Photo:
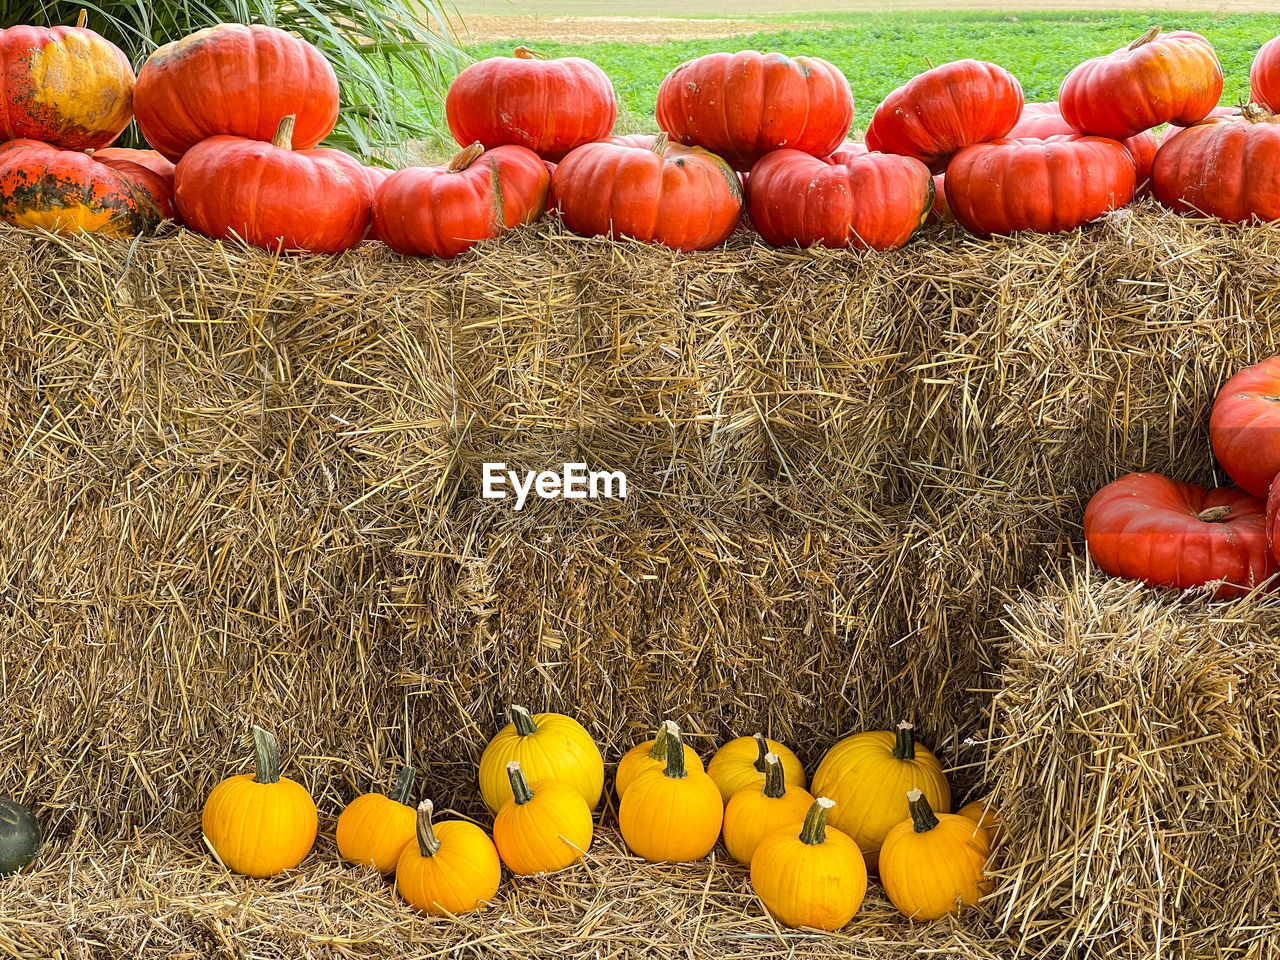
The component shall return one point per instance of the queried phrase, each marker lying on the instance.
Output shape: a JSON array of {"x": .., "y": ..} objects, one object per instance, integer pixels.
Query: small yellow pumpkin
[
  {"x": 549, "y": 746},
  {"x": 260, "y": 823},
  {"x": 754, "y": 812},
  {"x": 375, "y": 828},
  {"x": 985, "y": 816},
  {"x": 542, "y": 828},
  {"x": 673, "y": 814},
  {"x": 452, "y": 868},
  {"x": 815, "y": 877},
  {"x": 931, "y": 864},
  {"x": 740, "y": 763},
  {"x": 650, "y": 755},
  {"x": 868, "y": 776}
]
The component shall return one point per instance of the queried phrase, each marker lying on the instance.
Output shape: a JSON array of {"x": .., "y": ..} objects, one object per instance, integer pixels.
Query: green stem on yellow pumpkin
[
  {"x": 1144, "y": 39},
  {"x": 762, "y": 751},
  {"x": 519, "y": 785},
  {"x": 923, "y": 818},
  {"x": 660, "y": 746},
  {"x": 775, "y": 778},
  {"x": 523, "y": 721},
  {"x": 675, "y": 752},
  {"x": 814, "y": 831},
  {"x": 428, "y": 845},
  {"x": 284, "y": 133},
  {"x": 403, "y": 788},
  {"x": 267, "y": 769},
  {"x": 465, "y": 158},
  {"x": 905, "y": 748}
]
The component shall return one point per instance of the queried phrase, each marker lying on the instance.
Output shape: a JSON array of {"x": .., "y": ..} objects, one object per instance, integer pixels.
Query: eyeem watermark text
[{"x": 573, "y": 482}]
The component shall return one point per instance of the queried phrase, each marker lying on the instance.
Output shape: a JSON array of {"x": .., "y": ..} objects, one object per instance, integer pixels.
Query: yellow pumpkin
[
  {"x": 815, "y": 877},
  {"x": 868, "y": 776},
  {"x": 986, "y": 817},
  {"x": 452, "y": 868},
  {"x": 931, "y": 864},
  {"x": 740, "y": 763},
  {"x": 542, "y": 828},
  {"x": 374, "y": 828},
  {"x": 549, "y": 746},
  {"x": 754, "y": 812},
  {"x": 260, "y": 823},
  {"x": 673, "y": 814},
  {"x": 650, "y": 755}
]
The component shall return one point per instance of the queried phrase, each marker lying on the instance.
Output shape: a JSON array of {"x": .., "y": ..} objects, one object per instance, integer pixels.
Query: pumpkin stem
[
  {"x": 928, "y": 63},
  {"x": 675, "y": 752},
  {"x": 267, "y": 769},
  {"x": 403, "y": 788},
  {"x": 519, "y": 785},
  {"x": 1144, "y": 39},
  {"x": 82, "y": 18},
  {"x": 1257, "y": 113},
  {"x": 922, "y": 815},
  {"x": 660, "y": 745},
  {"x": 775, "y": 778},
  {"x": 1214, "y": 514},
  {"x": 523, "y": 720},
  {"x": 428, "y": 844},
  {"x": 525, "y": 53},
  {"x": 284, "y": 132},
  {"x": 463, "y": 159},
  {"x": 905, "y": 748},
  {"x": 762, "y": 752},
  {"x": 814, "y": 831},
  {"x": 660, "y": 143}
]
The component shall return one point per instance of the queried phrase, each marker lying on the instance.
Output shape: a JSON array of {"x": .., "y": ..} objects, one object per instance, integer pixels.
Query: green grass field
[{"x": 878, "y": 52}]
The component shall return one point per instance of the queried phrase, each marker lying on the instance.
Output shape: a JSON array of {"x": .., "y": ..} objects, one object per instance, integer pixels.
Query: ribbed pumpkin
[
  {"x": 673, "y": 814},
  {"x": 985, "y": 816},
  {"x": 931, "y": 864},
  {"x": 1158, "y": 78},
  {"x": 234, "y": 80},
  {"x": 944, "y": 109},
  {"x": 377, "y": 177},
  {"x": 544, "y": 827},
  {"x": 1224, "y": 168},
  {"x": 273, "y": 196},
  {"x": 1040, "y": 121},
  {"x": 1273, "y": 518},
  {"x": 153, "y": 160},
  {"x": 549, "y": 746},
  {"x": 444, "y": 211},
  {"x": 65, "y": 86},
  {"x": 650, "y": 755},
  {"x": 868, "y": 775},
  {"x": 546, "y": 105},
  {"x": 1165, "y": 533},
  {"x": 743, "y": 105},
  {"x": 260, "y": 823},
  {"x": 1264, "y": 76},
  {"x": 1047, "y": 185},
  {"x": 868, "y": 201},
  {"x": 815, "y": 877},
  {"x": 753, "y": 812},
  {"x": 1244, "y": 426},
  {"x": 682, "y": 197},
  {"x": 20, "y": 836},
  {"x": 374, "y": 828},
  {"x": 741, "y": 763},
  {"x": 452, "y": 867},
  {"x": 69, "y": 190},
  {"x": 940, "y": 212}
]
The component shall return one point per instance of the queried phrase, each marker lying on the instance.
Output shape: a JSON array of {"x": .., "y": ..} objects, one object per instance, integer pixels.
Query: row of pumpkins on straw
[
  {"x": 234, "y": 114},
  {"x": 878, "y": 801}
]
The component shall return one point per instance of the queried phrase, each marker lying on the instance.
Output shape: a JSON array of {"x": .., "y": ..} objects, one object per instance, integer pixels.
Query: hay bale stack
[{"x": 1138, "y": 765}]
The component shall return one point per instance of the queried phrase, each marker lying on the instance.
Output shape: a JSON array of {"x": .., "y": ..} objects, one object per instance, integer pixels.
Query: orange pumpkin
[
  {"x": 374, "y": 828},
  {"x": 452, "y": 868}
]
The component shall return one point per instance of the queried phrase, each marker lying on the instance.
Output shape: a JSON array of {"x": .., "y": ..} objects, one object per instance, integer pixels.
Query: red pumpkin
[
  {"x": 547, "y": 106},
  {"x": 153, "y": 160},
  {"x": 70, "y": 190},
  {"x": 237, "y": 81},
  {"x": 1227, "y": 168},
  {"x": 1169, "y": 534},
  {"x": 1045, "y": 185},
  {"x": 1215, "y": 113},
  {"x": 66, "y": 86},
  {"x": 682, "y": 197},
  {"x": 854, "y": 199},
  {"x": 940, "y": 212},
  {"x": 1158, "y": 78},
  {"x": 1042, "y": 120},
  {"x": 1273, "y": 518},
  {"x": 377, "y": 177},
  {"x": 945, "y": 109},
  {"x": 273, "y": 196},
  {"x": 442, "y": 211},
  {"x": 1264, "y": 76},
  {"x": 1244, "y": 427},
  {"x": 741, "y": 106}
]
